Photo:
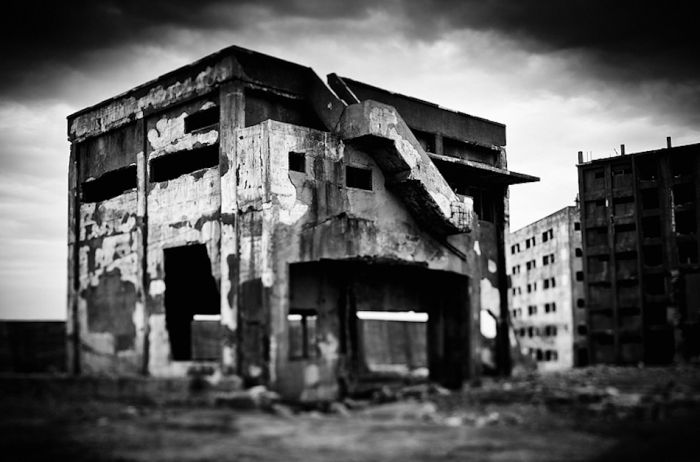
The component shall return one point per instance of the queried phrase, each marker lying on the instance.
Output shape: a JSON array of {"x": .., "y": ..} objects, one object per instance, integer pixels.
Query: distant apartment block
[
  {"x": 546, "y": 294},
  {"x": 640, "y": 221}
]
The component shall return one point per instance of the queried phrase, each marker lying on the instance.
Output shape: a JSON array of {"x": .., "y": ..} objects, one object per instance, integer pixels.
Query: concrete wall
[
  {"x": 304, "y": 217},
  {"x": 256, "y": 219},
  {"x": 562, "y": 246}
]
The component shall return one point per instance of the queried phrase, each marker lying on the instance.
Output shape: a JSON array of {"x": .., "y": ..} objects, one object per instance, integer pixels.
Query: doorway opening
[
  {"x": 192, "y": 304},
  {"x": 394, "y": 322}
]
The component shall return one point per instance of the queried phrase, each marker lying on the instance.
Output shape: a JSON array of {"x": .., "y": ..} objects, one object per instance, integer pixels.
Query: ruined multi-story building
[
  {"x": 546, "y": 295},
  {"x": 642, "y": 276},
  {"x": 240, "y": 214}
]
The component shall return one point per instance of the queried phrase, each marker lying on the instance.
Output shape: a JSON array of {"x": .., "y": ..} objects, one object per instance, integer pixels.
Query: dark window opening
[
  {"x": 653, "y": 255},
  {"x": 582, "y": 357},
  {"x": 201, "y": 119},
  {"x": 685, "y": 222},
  {"x": 682, "y": 165},
  {"x": 597, "y": 236},
  {"x": 360, "y": 178},
  {"x": 683, "y": 193},
  {"x": 577, "y": 226},
  {"x": 654, "y": 284},
  {"x": 655, "y": 314},
  {"x": 646, "y": 170},
  {"x": 484, "y": 205},
  {"x": 625, "y": 228},
  {"x": 651, "y": 227},
  {"x": 650, "y": 199},
  {"x": 109, "y": 185},
  {"x": 578, "y": 252},
  {"x": 297, "y": 162},
  {"x": 623, "y": 206},
  {"x": 582, "y": 329},
  {"x": 302, "y": 333},
  {"x": 581, "y": 303},
  {"x": 190, "y": 290},
  {"x": 687, "y": 252},
  {"x": 579, "y": 275},
  {"x": 170, "y": 166},
  {"x": 426, "y": 140},
  {"x": 261, "y": 105}
]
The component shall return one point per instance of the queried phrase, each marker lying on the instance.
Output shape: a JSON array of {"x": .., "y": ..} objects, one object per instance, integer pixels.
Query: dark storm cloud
[
  {"x": 642, "y": 39},
  {"x": 39, "y": 39},
  {"x": 622, "y": 42}
]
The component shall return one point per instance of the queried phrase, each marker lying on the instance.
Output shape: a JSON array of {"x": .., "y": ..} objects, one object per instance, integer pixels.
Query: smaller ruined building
[
  {"x": 241, "y": 216},
  {"x": 546, "y": 292},
  {"x": 640, "y": 220}
]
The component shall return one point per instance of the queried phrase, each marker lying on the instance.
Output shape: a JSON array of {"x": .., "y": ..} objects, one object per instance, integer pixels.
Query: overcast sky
[{"x": 563, "y": 76}]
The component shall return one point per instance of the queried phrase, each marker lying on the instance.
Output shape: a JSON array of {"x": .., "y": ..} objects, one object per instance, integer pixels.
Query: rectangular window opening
[
  {"x": 646, "y": 170},
  {"x": 297, "y": 162},
  {"x": 651, "y": 227},
  {"x": 684, "y": 193},
  {"x": 653, "y": 255},
  {"x": 650, "y": 199},
  {"x": 302, "y": 333},
  {"x": 170, "y": 166},
  {"x": 360, "y": 178},
  {"x": 687, "y": 252},
  {"x": 685, "y": 222},
  {"x": 202, "y": 119},
  {"x": 109, "y": 185}
]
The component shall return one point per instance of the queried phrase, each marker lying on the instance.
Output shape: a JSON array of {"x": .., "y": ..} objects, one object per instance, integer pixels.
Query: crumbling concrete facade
[
  {"x": 547, "y": 305},
  {"x": 640, "y": 215},
  {"x": 237, "y": 214}
]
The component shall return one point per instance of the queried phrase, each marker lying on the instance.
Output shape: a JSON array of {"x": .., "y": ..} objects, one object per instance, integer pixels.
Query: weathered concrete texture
[
  {"x": 181, "y": 211},
  {"x": 407, "y": 168},
  {"x": 255, "y": 169},
  {"x": 556, "y": 321},
  {"x": 640, "y": 220},
  {"x": 109, "y": 311},
  {"x": 291, "y": 217}
]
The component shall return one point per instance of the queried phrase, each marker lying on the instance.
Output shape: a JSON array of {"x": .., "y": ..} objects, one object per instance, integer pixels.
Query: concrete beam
[{"x": 380, "y": 130}]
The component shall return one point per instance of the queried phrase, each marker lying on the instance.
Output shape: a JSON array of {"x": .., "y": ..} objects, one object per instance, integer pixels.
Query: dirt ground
[{"x": 600, "y": 414}]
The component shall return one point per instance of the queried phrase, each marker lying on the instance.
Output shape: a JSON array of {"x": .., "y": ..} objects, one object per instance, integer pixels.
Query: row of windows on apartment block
[
  {"x": 532, "y": 241},
  {"x": 537, "y": 331},
  {"x": 543, "y": 355},
  {"x": 532, "y": 264},
  {"x": 548, "y": 283},
  {"x": 532, "y": 310}
]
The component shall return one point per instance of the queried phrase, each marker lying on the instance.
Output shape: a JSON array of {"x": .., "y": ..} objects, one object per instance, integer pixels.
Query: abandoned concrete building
[
  {"x": 544, "y": 260},
  {"x": 640, "y": 241},
  {"x": 240, "y": 215}
]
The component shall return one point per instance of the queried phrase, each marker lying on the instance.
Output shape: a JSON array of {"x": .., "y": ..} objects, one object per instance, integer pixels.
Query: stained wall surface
[
  {"x": 267, "y": 181},
  {"x": 545, "y": 295}
]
